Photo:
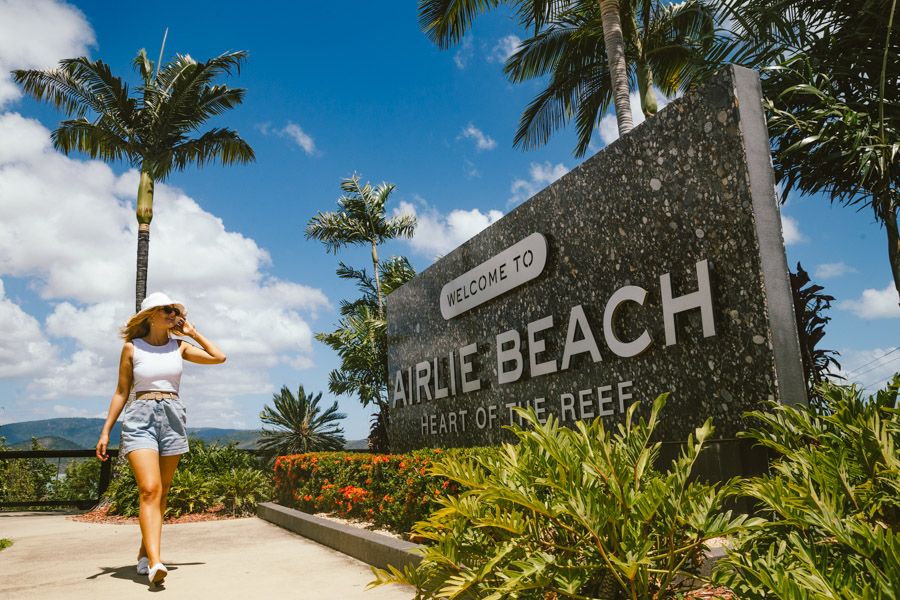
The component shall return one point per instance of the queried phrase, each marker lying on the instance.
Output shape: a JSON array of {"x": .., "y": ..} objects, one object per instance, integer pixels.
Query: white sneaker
[
  {"x": 143, "y": 566},
  {"x": 157, "y": 573}
]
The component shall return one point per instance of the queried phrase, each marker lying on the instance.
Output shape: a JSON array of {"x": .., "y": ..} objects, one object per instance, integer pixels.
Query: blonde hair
[{"x": 138, "y": 326}]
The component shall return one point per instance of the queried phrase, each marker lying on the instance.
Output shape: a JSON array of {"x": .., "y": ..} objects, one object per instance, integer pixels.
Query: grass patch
[{"x": 5, "y": 543}]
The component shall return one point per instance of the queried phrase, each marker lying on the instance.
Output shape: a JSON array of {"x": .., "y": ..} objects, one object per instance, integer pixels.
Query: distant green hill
[
  {"x": 50, "y": 442},
  {"x": 73, "y": 433}
]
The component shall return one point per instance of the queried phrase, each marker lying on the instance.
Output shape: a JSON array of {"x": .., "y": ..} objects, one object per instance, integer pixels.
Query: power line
[
  {"x": 875, "y": 367},
  {"x": 857, "y": 368},
  {"x": 877, "y": 379}
]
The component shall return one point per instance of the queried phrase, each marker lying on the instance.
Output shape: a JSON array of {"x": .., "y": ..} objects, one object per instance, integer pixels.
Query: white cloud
[
  {"x": 791, "y": 231},
  {"x": 870, "y": 368},
  {"x": 300, "y": 137},
  {"x": 68, "y": 227},
  {"x": 482, "y": 141},
  {"x": 24, "y": 350},
  {"x": 830, "y": 270},
  {"x": 609, "y": 127},
  {"x": 505, "y": 47},
  {"x": 464, "y": 54},
  {"x": 37, "y": 34},
  {"x": 874, "y": 304},
  {"x": 293, "y": 132},
  {"x": 540, "y": 176},
  {"x": 438, "y": 234}
]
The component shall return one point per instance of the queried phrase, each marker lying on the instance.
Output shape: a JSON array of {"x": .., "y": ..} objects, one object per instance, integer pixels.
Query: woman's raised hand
[{"x": 187, "y": 328}]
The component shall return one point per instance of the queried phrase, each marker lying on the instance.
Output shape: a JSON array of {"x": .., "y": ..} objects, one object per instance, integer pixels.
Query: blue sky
[{"x": 332, "y": 90}]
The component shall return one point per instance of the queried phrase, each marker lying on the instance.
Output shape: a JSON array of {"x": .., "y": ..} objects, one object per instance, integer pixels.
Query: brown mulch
[
  {"x": 101, "y": 515},
  {"x": 711, "y": 593}
]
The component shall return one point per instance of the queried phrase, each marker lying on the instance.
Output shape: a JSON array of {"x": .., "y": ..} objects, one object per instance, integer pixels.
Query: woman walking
[{"x": 154, "y": 422}]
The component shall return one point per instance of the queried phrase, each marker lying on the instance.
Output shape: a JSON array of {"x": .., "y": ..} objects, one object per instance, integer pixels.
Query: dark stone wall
[{"x": 677, "y": 190}]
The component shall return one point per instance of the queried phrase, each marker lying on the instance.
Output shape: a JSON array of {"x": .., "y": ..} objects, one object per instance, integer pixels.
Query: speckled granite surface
[{"x": 677, "y": 190}]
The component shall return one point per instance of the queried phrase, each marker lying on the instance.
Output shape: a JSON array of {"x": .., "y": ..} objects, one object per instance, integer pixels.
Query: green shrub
[
  {"x": 569, "y": 513},
  {"x": 831, "y": 502},
  {"x": 26, "y": 479},
  {"x": 5, "y": 543},
  {"x": 191, "y": 492},
  {"x": 243, "y": 488},
  {"x": 81, "y": 481},
  {"x": 207, "y": 476},
  {"x": 389, "y": 490}
]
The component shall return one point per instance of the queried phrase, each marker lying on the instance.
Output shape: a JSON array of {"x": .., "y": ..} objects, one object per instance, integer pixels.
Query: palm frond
[
  {"x": 446, "y": 21},
  {"x": 216, "y": 145},
  {"x": 80, "y": 135}
]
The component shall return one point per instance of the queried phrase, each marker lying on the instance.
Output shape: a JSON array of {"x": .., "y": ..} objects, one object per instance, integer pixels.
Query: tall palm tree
[
  {"x": 155, "y": 130},
  {"x": 591, "y": 49},
  {"x": 361, "y": 220},
  {"x": 300, "y": 425}
]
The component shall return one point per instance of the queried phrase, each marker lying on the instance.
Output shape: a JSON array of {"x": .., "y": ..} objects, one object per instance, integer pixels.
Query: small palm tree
[
  {"x": 361, "y": 220},
  {"x": 360, "y": 341},
  {"x": 300, "y": 425},
  {"x": 154, "y": 131}
]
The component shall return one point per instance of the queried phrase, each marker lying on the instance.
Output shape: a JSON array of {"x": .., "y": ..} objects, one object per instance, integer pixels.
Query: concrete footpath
[{"x": 53, "y": 557}]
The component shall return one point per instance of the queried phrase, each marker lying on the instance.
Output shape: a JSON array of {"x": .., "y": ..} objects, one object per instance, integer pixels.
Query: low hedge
[{"x": 389, "y": 490}]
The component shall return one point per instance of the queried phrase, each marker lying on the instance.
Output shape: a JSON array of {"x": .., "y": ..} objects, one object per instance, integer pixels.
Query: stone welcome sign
[{"x": 657, "y": 265}]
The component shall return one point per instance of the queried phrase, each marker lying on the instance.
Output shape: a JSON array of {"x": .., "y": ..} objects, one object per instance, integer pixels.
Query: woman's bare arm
[
  {"x": 209, "y": 355},
  {"x": 123, "y": 388}
]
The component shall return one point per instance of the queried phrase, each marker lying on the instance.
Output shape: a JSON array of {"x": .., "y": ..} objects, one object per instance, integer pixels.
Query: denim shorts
[{"x": 159, "y": 425}]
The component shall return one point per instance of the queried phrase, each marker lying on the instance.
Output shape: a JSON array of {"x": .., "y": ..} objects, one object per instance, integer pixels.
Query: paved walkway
[{"x": 53, "y": 557}]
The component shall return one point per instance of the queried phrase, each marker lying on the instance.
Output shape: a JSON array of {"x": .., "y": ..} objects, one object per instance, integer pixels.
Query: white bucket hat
[{"x": 157, "y": 299}]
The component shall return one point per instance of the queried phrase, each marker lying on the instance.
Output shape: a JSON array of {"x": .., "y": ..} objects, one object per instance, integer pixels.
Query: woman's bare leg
[
  {"x": 167, "y": 466},
  {"x": 146, "y": 467}
]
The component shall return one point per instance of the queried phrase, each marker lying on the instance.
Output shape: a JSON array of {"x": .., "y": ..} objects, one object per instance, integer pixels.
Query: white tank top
[{"x": 157, "y": 368}]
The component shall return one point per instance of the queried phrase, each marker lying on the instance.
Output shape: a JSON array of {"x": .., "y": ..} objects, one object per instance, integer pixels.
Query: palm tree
[
  {"x": 831, "y": 100},
  {"x": 360, "y": 341},
  {"x": 154, "y": 130},
  {"x": 361, "y": 220},
  {"x": 300, "y": 426},
  {"x": 591, "y": 49}
]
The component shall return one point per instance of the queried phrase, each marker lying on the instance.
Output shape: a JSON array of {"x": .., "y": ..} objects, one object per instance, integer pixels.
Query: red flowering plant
[{"x": 388, "y": 490}]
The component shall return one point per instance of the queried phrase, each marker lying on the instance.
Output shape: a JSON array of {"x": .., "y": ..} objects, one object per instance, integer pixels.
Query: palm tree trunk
[
  {"x": 144, "y": 216},
  {"x": 893, "y": 236},
  {"x": 377, "y": 280},
  {"x": 615, "y": 57},
  {"x": 644, "y": 72}
]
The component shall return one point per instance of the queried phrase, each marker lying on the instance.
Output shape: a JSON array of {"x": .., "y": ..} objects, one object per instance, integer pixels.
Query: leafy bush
[
  {"x": 26, "y": 479},
  {"x": 243, "y": 488},
  {"x": 389, "y": 490},
  {"x": 81, "y": 481},
  {"x": 207, "y": 476},
  {"x": 569, "y": 513},
  {"x": 831, "y": 502}
]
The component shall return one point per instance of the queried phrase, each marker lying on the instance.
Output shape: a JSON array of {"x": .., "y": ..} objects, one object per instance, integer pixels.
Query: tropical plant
[
  {"x": 831, "y": 502},
  {"x": 300, "y": 425},
  {"x": 242, "y": 489},
  {"x": 591, "y": 49},
  {"x": 569, "y": 513},
  {"x": 191, "y": 492},
  {"x": 831, "y": 99},
  {"x": 361, "y": 221},
  {"x": 360, "y": 341},
  {"x": 810, "y": 305},
  {"x": 209, "y": 476},
  {"x": 154, "y": 130}
]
